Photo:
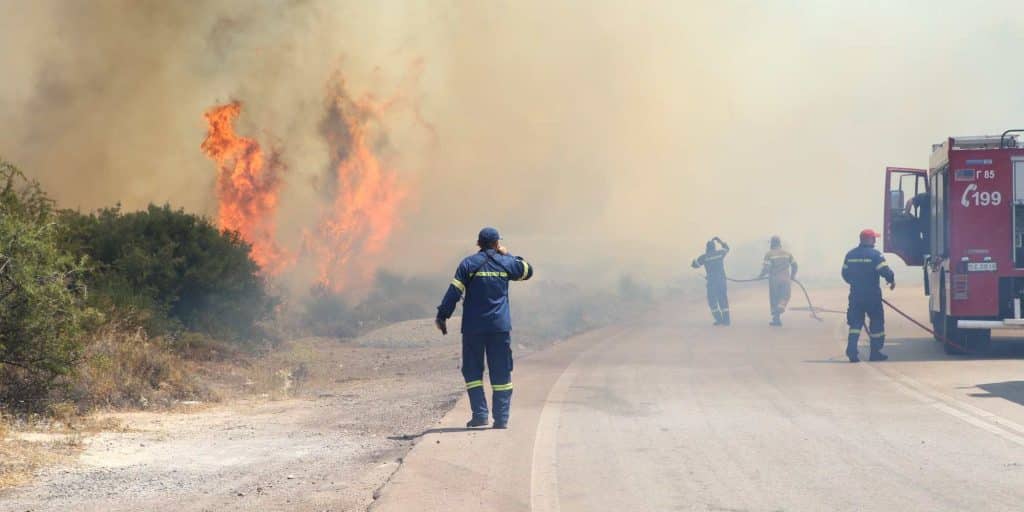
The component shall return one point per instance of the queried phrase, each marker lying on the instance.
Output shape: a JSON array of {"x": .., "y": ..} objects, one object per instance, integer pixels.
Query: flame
[
  {"x": 248, "y": 186},
  {"x": 366, "y": 193}
]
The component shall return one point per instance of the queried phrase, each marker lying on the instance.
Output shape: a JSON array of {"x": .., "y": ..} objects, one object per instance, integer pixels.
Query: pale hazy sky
[{"x": 604, "y": 135}]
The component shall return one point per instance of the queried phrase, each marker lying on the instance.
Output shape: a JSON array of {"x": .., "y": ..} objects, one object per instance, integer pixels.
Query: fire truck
[{"x": 962, "y": 221}]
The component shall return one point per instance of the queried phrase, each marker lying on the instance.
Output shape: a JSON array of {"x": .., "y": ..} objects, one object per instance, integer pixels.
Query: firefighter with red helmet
[{"x": 862, "y": 268}]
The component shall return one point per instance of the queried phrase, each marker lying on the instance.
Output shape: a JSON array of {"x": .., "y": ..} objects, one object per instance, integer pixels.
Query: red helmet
[{"x": 868, "y": 235}]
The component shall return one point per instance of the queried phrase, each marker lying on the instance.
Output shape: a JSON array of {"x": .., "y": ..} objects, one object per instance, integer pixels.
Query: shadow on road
[
  {"x": 445, "y": 430},
  {"x": 1010, "y": 390},
  {"x": 927, "y": 349}
]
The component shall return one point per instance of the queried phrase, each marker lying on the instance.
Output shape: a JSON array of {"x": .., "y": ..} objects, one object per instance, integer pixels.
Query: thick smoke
[{"x": 602, "y": 137}]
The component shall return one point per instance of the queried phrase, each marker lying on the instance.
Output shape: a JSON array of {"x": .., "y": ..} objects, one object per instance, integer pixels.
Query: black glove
[
  {"x": 892, "y": 284},
  {"x": 442, "y": 325}
]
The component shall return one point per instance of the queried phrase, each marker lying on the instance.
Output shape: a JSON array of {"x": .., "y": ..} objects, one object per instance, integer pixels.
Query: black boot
[
  {"x": 476, "y": 422},
  {"x": 726, "y": 321},
  {"x": 876, "y": 349},
  {"x": 718, "y": 317},
  {"x": 851, "y": 351},
  {"x": 477, "y": 404},
  {"x": 502, "y": 399},
  {"x": 776, "y": 321}
]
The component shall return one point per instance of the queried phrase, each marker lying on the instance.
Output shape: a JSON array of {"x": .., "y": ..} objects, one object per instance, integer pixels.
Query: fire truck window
[
  {"x": 938, "y": 240},
  {"x": 908, "y": 222},
  {"x": 1018, "y": 213}
]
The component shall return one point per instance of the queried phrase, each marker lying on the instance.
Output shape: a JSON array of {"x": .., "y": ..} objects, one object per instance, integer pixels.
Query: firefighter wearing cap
[
  {"x": 861, "y": 270},
  {"x": 713, "y": 261},
  {"x": 780, "y": 268},
  {"x": 486, "y": 323}
]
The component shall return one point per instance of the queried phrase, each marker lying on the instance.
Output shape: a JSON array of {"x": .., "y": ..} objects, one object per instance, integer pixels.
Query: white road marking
[
  {"x": 544, "y": 470},
  {"x": 985, "y": 420}
]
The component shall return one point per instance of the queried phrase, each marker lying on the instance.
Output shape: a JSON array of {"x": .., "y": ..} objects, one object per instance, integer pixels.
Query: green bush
[
  {"x": 42, "y": 290},
  {"x": 168, "y": 269}
]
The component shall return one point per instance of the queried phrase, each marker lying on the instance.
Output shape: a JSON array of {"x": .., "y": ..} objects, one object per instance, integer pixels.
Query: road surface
[{"x": 673, "y": 414}]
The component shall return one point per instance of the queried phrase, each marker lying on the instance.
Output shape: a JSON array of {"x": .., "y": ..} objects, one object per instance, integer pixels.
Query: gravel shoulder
[{"x": 354, "y": 410}]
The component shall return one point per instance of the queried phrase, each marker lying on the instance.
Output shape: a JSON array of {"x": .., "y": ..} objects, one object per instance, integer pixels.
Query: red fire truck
[{"x": 962, "y": 220}]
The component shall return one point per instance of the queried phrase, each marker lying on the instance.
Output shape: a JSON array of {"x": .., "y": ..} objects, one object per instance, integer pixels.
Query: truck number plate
[{"x": 986, "y": 266}]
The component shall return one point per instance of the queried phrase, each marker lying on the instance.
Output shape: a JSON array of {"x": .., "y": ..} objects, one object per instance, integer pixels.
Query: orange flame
[
  {"x": 247, "y": 187},
  {"x": 367, "y": 193}
]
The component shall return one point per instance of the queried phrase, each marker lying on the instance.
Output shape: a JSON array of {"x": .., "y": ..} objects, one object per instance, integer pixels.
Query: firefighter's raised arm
[
  {"x": 725, "y": 246},
  {"x": 698, "y": 261},
  {"x": 521, "y": 271}
]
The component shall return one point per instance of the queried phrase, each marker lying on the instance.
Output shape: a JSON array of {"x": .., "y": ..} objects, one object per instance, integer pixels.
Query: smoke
[{"x": 602, "y": 138}]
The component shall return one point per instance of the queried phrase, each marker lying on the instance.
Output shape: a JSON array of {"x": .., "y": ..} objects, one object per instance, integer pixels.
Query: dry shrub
[
  {"x": 197, "y": 346},
  {"x": 124, "y": 368}
]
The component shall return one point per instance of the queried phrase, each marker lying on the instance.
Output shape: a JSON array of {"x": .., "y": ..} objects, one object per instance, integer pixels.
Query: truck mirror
[{"x": 896, "y": 200}]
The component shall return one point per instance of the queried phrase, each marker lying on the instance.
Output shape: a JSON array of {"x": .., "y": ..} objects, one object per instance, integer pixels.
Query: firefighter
[
  {"x": 486, "y": 323},
  {"x": 713, "y": 261},
  {"x": 861, "y": 270},
  {"x": 780, "y": 268}
]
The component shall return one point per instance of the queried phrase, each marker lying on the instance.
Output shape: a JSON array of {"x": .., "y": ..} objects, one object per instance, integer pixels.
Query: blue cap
[{"x": 488, "y": 236}]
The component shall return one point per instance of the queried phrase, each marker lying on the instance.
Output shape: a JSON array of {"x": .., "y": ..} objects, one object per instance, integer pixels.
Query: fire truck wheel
[{"x": 955, "y": 341}]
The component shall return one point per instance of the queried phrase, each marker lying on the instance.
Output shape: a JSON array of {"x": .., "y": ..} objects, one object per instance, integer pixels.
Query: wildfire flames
[
  {"x": 367, "y": 194},
  {"x": 360, "y": 208},
  {"x": 248, "y": 185}
]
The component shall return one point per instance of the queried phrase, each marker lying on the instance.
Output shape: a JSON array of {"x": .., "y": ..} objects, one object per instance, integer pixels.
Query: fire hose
[
  {"x": 814, "y": 310},
  {"x": 810, "y": 306},
  {"x": 923, "y": 327},
  {"x": 937, "y": 336}
]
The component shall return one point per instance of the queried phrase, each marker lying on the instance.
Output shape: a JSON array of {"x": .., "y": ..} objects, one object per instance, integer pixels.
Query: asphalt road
[{"x": 673, "y": 414}]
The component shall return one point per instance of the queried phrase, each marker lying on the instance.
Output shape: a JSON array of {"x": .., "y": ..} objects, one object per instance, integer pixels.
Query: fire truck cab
[{"x": 962, "y": 221}]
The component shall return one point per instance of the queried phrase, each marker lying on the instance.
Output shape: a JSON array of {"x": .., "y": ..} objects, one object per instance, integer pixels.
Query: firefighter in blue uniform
[
  {"x": 713, "y": 261},
  {"x": 861, "y": 270},
  {"x": 486, "y": 323}
]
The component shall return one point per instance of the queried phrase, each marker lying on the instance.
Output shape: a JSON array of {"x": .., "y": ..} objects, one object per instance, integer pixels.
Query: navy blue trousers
[
  {"x": 871, "y": 306},
  {"x": 496, "y": 350},
  {"x": 718, "y": 298}
]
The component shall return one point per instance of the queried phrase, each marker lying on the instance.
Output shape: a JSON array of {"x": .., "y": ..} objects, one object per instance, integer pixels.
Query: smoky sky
[{"x": 601, "y": 137}]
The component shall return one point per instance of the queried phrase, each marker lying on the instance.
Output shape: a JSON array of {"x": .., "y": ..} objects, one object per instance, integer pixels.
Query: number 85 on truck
[{"x": 962, "y": 221}]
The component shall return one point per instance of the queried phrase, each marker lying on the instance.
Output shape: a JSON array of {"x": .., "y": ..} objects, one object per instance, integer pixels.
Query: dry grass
[
  {"x": 125, "y": 369},
  {"x": 25, "y": 448},
  {"x": 289, "y": 369}
]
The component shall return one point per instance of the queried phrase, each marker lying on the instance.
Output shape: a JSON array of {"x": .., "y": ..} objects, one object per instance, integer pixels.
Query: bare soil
[{"x": 328, "y": 426}]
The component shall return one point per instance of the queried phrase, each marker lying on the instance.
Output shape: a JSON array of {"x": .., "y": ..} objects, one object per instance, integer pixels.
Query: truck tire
[
  {"x": 953, "y": 334},
  {"x": 946, "y": 328},
  {"x": 937, "y": 327}
]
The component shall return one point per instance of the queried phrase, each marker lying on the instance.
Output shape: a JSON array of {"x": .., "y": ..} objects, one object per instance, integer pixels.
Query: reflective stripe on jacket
[
  {"x": 713, "y": 263},
  {"x": 862, "y": 268},
  {"x": 779, "y": 264},
  {"x": 483, "y": 279}
]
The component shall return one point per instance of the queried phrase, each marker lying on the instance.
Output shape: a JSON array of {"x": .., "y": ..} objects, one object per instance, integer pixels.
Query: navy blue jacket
[
  {"x": 713, "y": 263},
  {"x": 862, "y": 268},
  {"x": 483, "y": 278}
]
